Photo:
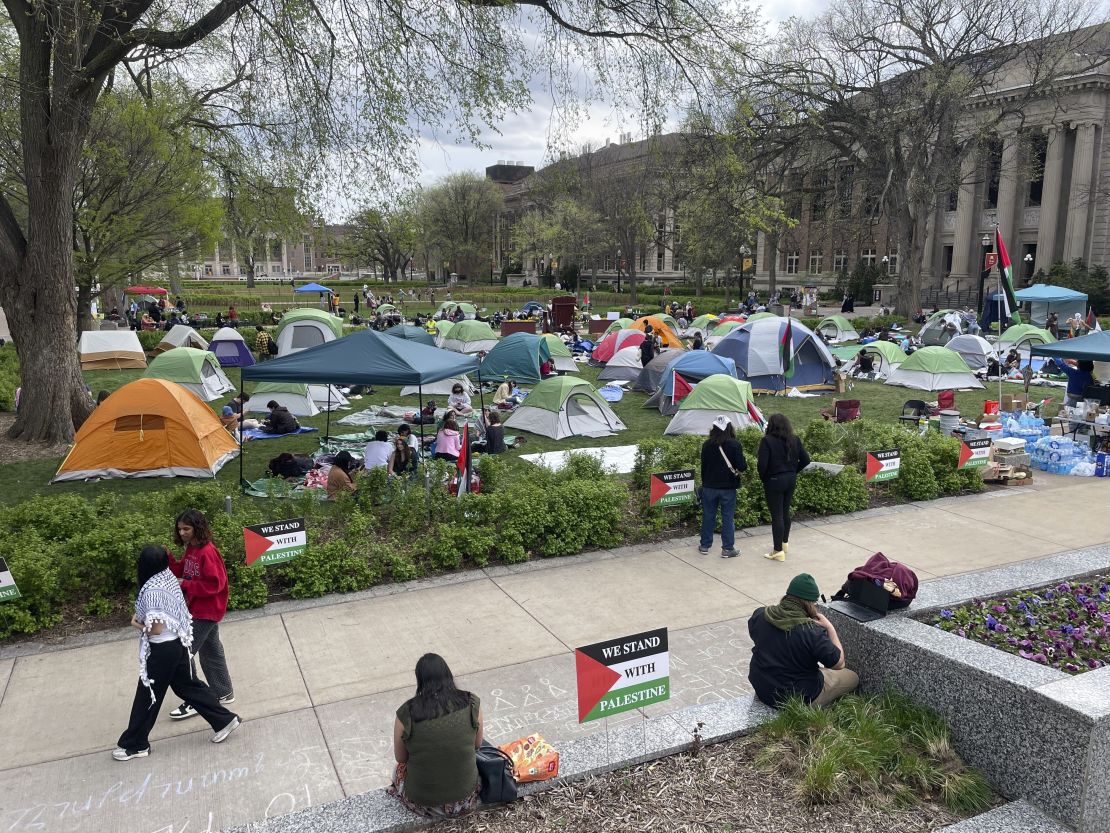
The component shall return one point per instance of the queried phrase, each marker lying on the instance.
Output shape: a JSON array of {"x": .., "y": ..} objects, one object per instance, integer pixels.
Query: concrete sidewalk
[{"x": 318, "y": 682}]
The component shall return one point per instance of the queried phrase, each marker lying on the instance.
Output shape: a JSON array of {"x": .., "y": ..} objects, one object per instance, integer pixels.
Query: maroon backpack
[{"x": 882, "y": 569}]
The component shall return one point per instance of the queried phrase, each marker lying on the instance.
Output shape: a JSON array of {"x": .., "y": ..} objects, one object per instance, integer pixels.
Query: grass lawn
[{"x": 21, "y": 480}]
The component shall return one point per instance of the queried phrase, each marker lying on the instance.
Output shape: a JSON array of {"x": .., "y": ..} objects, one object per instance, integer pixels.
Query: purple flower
[
  {"x": 1094, "y": 663},
  {"x": 1048, "y": 594},
  {"x": 1000, "y": 608},
  {"x": 992, "y": 623},
  {"x": 1068, "y": 629},
  {"x": 947, "y": 614},
  {"x": 1021, "y": 605}
]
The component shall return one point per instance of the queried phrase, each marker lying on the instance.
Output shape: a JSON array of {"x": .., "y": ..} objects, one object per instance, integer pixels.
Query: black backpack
[
  {"x": 495, "y": 769},
  {"x": 271, "y": 347}
]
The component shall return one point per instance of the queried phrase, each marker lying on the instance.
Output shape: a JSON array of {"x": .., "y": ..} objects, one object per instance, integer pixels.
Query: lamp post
[
  {"x": 744, "y": 253},
  {"x": 618, "y": 270},
  {"x": 1028, "y": 261}
]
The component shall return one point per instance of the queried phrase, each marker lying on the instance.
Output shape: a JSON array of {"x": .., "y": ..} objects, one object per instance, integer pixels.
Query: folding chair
[{"x": 913, "y": 410}]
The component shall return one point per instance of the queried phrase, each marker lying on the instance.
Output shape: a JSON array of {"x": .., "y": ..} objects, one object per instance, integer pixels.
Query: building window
[
  {"x": 951, "y": 200},
  {"x": 840, "y": 261},
  {"x": 792, "y": 259},
  {"x": 643, "y": 260},
  {"x": 815, "y": 259},
  {"x": 275, "y": 249},
  {"x": 817, "y": 203},
  {"x": 1038, "y": 154},
  {"x": 946, "y": 260},
  {"x": 794, "y": 196},
  {"x": 208, "y": 268},
  {"x": 845, "y": 178},
  {"x": 870, "y": 203},
  {"x": 225, "y": 269},
  {"x": 276, "y": 269},
  {"x": 892, "y": 263},
  {"x": 868, "y": 257},
  {"x": 608, "y": 264},
  {"x": 993, "y": 173},
  {"x": 660, "y": 256}
]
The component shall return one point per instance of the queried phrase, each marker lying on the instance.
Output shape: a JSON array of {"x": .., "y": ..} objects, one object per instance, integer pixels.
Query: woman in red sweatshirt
[{"x": 203, "y": 580}]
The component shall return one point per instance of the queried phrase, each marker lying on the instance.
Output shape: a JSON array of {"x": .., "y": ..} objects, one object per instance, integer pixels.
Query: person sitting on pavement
[
  {"x": 377, "y": 451},
  {"x": 435, "y": 734},
  {"x": 448, "y": 439},
  {"x": 796, "y": 650},
  {"x": 459, "y": 400},
  {"x": 339, "y": 476},
  {"x": 280, "y": 420}
]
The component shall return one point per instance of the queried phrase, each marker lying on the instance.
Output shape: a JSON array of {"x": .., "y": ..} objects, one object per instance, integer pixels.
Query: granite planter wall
[{"x": 1035, "y": 732}]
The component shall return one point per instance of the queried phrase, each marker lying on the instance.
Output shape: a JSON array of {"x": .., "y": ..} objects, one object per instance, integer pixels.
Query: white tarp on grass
[{"x": 620, "y": 458}]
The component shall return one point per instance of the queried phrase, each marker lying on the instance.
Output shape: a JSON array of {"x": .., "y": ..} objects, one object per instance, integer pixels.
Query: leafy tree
[
  {"x": 1094, "y": 280},
  {"x": 299, "y": 80},
  {"x": 458, "y": 214},
  {"x": 385, "y": 236}
]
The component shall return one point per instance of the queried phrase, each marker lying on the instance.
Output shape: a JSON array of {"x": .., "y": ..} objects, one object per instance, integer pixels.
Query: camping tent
[
  {"x": 564, "y": 406},
  {"x": 443, "y": 329},
  {"x": 933, "y": 368},
  {"x": 703, "y": 324},
  {"x": 110, "y": 350},
  {"x": 447, "y": 309},
  {"x": 935, "y": 333},
  {"x": 651, "y": 375},
  {"x": 517, "y": 356},
  {"x": 619, "y": 324},
  {"x": 756, "y": 349},
  {"x": 886, "y": 354},
  {"x": 836, "y": 329},
  {"x": 561, "y": 357},
  {"x": 149, "y": 428},
  {"x": 758, "y": 316},
  {"x": 299, "y": 398},
  {"x": 417, "y": 334},
  {"x": 1044, "y": 299},
  {"x": 667, "y": 319},
  {"x": 230, "y": 349},
  {"x": 180, "y": 335},
  {"x": 661, "y": 328},
  {"x": 470, "y": 337},
  {"x": 306, "y": 327},
  {"x": 625, "y": 364},
  {"x": 614, "y": 341},
  {"x": 1023, "y": 336},
  {"x": 196, "y": 370},
  {"x": 693, "y": 367},
  {"x": 712, "y": 397},
  {"x": 723, "y": 329},
  {"x": 441, "y": 388},
  {"x": 974, "y": 350}
]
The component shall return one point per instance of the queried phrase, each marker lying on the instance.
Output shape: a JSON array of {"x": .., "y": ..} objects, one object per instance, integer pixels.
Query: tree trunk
[
  {"x": 84, "y": 308},
  {"x": 728, "y": 288},
  {"x": 911, "y": 244},
  {"x": 699, "y": 280},
  {"x": 250, "y": 271},
  {"x": 173, "y": 270}
]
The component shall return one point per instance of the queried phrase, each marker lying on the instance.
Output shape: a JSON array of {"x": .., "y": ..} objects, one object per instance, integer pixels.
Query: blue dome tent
[
  {"x": 755, "y": 347},
  {"x": 693, "y": 366}
]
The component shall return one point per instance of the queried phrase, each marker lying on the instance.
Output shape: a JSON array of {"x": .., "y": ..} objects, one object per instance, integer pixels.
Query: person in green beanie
[{"x": 796, "y": 650}]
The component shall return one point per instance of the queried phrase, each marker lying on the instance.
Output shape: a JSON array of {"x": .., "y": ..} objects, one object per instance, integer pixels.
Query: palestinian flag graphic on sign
[{"x": 622, "y": 674}]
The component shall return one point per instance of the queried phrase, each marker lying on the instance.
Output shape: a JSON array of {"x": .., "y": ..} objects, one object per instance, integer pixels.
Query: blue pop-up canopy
[
  {"x": 1094, "y": 347},
  {"x": 1044, "y": 299},
  {"x": 311, "y": 287}
]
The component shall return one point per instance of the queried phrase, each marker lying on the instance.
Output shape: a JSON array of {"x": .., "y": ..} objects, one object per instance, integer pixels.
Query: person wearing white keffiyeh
[{"x": 166, "y": 631}]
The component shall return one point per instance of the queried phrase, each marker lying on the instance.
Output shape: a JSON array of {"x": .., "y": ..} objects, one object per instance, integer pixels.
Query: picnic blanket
[
  {"x": 620, "y": 458},
  {"x": 383, "y": 415},
  {"x": 259, "y": 434},
  {"x": 276, "y": 487}
]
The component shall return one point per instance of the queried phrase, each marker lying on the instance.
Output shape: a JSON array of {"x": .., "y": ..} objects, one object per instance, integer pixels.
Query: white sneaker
[
  {"x": 221, "y": 735},
  {"x": 228, "y": 698},
  {"x": 183, "y": 712},
  {"x": 121, "y": 754}
]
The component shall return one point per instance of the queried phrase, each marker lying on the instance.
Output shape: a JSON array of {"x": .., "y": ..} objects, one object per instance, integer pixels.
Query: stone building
[{"x": 317, "y": 250}]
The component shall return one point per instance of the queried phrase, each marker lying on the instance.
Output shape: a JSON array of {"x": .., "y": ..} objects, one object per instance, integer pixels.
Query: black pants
[
  {"x": 169, "y": 667},
  {"x": 779, "y": 491}
]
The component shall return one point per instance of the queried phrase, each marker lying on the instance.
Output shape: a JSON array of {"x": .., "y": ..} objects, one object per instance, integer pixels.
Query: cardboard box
[
  {"x": 1007, "y": 402},
  {"x": 841, "y": 384}
]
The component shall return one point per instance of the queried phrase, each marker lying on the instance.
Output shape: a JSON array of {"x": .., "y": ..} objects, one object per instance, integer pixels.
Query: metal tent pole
[
  {"x": 239, "y": 432},
  {"x": 327, "y": 419}
]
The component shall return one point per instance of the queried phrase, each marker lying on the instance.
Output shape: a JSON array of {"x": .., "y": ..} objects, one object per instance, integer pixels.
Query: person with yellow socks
[{"x": 781, "y": 457}]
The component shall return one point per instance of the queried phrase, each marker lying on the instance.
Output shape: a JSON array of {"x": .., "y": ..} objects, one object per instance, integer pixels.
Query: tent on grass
[
  {"x": 149, "y": 428},
  {"x": 306, "y": 327},
  {"x": 441, "y": 388},
  {"x": 448, "y": 308},
  {"x": 230, "y": 349},
  {"x": 301, "y": 399},
  {"x": 110, "y": 350},
  {"x": 180, "y": 335},
  {"x": 933, "y": 368},
  {"x": 625, "y": 364},
  {"x": 564, "y": 406},
  {"x": 886, "y": 354},
  {"x": 837, "y": 329},
  {"x": 667, "y": 319},
  {"x": 756, "y": 348},
  {"x": 703, "y": 324},
  {"x": 723, "y": 329},
  {"x": 196, "y": 370},
  {"x": 712, "y": 397},
  {"x": 417, "y": 334},
  {"x": 759, "y": 316},
  {"x": 1044, "y": 299},
  {"x": 692, "y": 367},
  {"x": 619, "y": 324},
  {"x": 974, "y": 350},
  {"x": 614, "y": 341},
  {"x": 1022, "y": 337},
  {"x": 561, "y": 357},
  {"x": 667, "y": 335},
  {"x": 942, "y": 326},
  {"x": 470, "y": 337},
  {"x": 651, "y": 374},
  {"x": 517, "y": 356}
]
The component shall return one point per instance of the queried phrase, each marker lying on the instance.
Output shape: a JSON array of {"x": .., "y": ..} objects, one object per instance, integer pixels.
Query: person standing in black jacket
[
  {"x": 781, "y": 457},
  {"x": 722, "y": 461}
]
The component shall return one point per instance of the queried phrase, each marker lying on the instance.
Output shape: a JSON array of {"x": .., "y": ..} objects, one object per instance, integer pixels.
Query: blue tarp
[
  {"x": 1045, "y": 292},
  {"x": 365, "y": 358},
  {"x": 311, "y": 287},
  {"x": 1094, "y": 347}
]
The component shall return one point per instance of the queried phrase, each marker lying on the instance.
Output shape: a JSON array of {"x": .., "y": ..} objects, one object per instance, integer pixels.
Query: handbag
[
  {"x": 495, "y": 769},
  {"x": 534, "y": 759}
]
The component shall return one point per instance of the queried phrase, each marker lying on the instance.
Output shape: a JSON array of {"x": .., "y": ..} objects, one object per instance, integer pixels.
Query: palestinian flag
[
  {"x": 786, "y": 349},
  {"x": 1092, "y": 321},
  {"x": 463, "y": 464},
  {"x": 756, "y": 416},
  {"x": 1006, "y": 279},
  {"x": 681, "y": 388},
  {"x": 586, "y": 300}
]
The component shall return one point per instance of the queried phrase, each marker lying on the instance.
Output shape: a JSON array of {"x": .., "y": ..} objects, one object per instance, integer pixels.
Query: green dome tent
[
  {"x": 703, "y": 323},
  {"x": 443, "y": 330},
  {"x": 756, "y": 316},
  {"x": 714, "y": 396},
  {"x": 933, "y": 368},
  {"x": 196, "y": 370},
  {"x": 300, "y": 398},
  {"x": 726, "y": 328},
  {"x": 836, "y": 329},
  {"x": 517, "y": 356},
  {"x": 1023, "y": 336},
  {"x": 564, "y": 406},
  {"x": 306, "y": 327},
  {"x": 470, "y": 337},
  {"x": 619, "y": 324},
  {"x": 886, "y": 354},
  {"x": 561, "y": 357}
]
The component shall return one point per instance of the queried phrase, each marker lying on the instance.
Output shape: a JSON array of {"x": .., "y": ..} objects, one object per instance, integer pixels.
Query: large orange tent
[
  {"x": 659, "y": 326},
  {"x": 149, "y": 428}
]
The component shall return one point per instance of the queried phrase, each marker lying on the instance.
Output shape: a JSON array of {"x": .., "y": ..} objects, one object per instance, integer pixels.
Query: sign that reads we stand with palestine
[{"x": 622, "y": 674}]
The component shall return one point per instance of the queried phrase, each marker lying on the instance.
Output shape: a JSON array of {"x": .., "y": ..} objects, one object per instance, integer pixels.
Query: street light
[
  {"x": 618, "y": 270},
  {"x": 744, "y": 252}
]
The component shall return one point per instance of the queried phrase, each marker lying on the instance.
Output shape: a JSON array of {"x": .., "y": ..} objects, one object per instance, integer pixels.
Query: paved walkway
[{"x": 318, "y": 682}]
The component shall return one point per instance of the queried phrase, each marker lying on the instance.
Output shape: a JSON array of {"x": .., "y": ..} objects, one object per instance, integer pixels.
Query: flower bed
[{"x": 1065, "y": 626}]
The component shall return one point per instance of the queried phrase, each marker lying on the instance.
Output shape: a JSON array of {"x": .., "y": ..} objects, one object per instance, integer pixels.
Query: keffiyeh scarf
[{"x": 161, "y": 600}]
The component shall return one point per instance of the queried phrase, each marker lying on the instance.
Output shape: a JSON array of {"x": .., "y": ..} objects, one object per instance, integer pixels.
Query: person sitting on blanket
[
  {"x": 339, "y": 477},
  {"x": 448, "y": 439},
  {"x": 427, "y": 415},
  {"x": 459, "y": 400},
  {"x": 280, "y": 420},
  {"x": 377, "y": 451},
  {"x": 494, "y": 442},
  {"x": 504, "y": 393}
]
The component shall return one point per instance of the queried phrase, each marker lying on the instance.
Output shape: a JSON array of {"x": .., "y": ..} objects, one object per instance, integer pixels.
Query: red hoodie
[{"x": 204, "y": 581}]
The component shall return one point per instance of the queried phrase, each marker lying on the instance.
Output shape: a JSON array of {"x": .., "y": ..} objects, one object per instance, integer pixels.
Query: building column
[
  {"x": 1082, "y": 192},
  {"x": 1008, "y": 189},
  {"x": 1050, "y": 199},
  {"x": 284, "y": 256},
  {"x": 965, "y": 218}
]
